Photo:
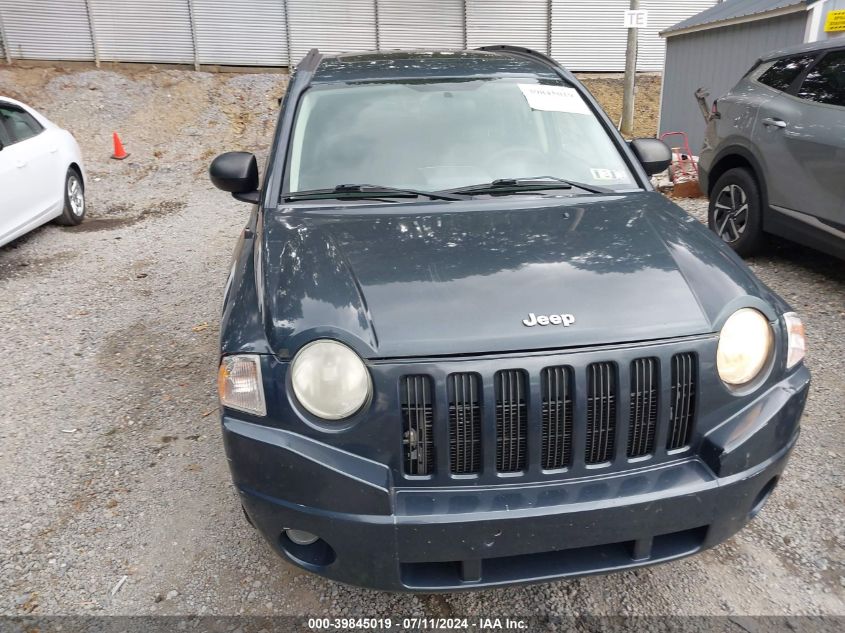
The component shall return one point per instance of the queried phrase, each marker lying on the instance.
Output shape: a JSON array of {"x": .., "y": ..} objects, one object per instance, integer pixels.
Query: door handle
[
  {"x": 53, "y": 150},
  {"x": 20, "y": 164},
  {"x": 770, "y": 122}
]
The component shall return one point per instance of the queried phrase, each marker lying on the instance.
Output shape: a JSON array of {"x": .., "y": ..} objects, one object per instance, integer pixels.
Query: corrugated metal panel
[
  {"x": 592, "y": 36},
  {"x": 733, "y": 10},
  {"x": 651, "y": 48},
  {"x": 523, "y": 23},
  {"x": 421, "y": 24},
  {"x": 148, "y": 31},
  {"x": 589, "y": 35},
  {"x": 333, "y": 26},
  {"x": 716, "y": 59},
  {"x": 241, "y": 32},
  {"x": 47, "y": 29}
]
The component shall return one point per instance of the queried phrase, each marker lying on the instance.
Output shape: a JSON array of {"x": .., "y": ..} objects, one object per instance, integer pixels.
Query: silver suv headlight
[
  {"x": 330, "y": 380},
  {"x": 745, "y": 345}
]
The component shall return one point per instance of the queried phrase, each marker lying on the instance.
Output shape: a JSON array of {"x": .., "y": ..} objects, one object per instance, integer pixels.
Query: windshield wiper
[
  {"x": 361, "y": 192},
  {"x": 535, "y": 183}
]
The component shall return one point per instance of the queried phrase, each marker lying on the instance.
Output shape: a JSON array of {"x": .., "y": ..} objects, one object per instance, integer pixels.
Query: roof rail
[
  {"x": 525, "y": 52},
  {"x": 311, "y": 60}
]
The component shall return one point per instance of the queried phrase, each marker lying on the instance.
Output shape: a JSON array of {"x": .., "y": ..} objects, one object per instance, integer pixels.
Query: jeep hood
[{"x": 425, "y": 279}]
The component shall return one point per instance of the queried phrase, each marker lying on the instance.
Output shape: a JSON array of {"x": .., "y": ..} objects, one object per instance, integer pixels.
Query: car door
[
  {"x": 817, "y": 139},
  {"x": 27, "y": 170},
  {"x": 777, "y": 126},
  {"x": 801, "y": 137}
]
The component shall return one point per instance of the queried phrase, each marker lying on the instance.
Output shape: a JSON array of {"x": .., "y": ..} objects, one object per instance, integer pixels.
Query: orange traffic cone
[{"x": 119, "y": 152}]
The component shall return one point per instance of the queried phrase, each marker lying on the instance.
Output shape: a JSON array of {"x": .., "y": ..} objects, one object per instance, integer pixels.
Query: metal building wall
[
  {"x": 333, "y": 26},
  {"x": 47, "y": 29},
  {"x": 148, "y": 31},
  {"x": 584, "y": 35},
  {"x": 591, "y": 36},
  {"x": 240, "y": 32},
  {"x": 521, "y": 23},
  {"x": 716, "y": 59},
  {"x": 421, "y": 24}
]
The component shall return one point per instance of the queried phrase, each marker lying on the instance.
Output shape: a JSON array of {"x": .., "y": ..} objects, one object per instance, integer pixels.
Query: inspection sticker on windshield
[
  {"x": 607, "y": 174},
  {"x": 554, "y": 98}
]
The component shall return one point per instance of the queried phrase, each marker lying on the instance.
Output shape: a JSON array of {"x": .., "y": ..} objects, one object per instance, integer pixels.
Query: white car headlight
[
  {"x": 239, "y": 384},
  {"x": 745, "y": 344},
  {"x": 330, "y": 380},
  {"x": 797, "y": 340}
]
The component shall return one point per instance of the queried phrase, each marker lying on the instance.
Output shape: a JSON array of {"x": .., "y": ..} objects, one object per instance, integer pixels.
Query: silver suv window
[
  {"x": 825, "y": 83},
  {"x": 782, "y": 72}
]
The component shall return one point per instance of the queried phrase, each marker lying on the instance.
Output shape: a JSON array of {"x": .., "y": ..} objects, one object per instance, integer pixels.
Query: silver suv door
[
  {"x": 801, "y": 137},
  {"x": 775, "y": 129}
]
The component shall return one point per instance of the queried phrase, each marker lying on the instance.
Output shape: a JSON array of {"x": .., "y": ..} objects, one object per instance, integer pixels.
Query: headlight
[
  {"x": 797, "y": 341},
  {"x": 745, "y": 344},
  {"x": 330, "y": 380},
  {"x": 239, "y": 384}
]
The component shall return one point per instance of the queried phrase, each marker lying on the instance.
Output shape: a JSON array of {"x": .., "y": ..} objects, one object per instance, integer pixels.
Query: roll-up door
[
  {"x": 333, "y": 26},
  {"x": 420, "y": 24},
  {"x": 651, "y": 48},
  {"x": 47, "y": 29},
  {"x": 589, "y": 35},
  {"x": 143, "y": 31},
  {"x": 241, "y": 32},
  {"x": 522, "y": 23}
]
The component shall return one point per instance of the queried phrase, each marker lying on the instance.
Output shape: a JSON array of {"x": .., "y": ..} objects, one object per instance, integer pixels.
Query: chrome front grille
[{"x": 518, "y": 421}]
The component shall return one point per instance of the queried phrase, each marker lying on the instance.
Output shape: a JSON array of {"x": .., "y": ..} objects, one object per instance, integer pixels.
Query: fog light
[{"x": 301, "y": 537}]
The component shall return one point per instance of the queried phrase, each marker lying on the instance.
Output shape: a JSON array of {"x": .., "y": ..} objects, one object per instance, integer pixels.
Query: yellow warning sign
[{"x": 835, "y": 21}]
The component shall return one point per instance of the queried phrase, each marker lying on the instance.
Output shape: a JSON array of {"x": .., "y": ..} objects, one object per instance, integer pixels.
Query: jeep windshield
[{"x": 451, "y": 135}]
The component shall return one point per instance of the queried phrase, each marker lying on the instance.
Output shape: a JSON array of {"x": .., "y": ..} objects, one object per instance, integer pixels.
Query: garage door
[
  {"x": 333, "y": 26},
  {"x": 420, "y": 24},
  {"x": 523, "y": 23},
  {"x": 148, "y": 31},
  {"x": 241, "y": 32},
  {"x": 47, "y": 29}
]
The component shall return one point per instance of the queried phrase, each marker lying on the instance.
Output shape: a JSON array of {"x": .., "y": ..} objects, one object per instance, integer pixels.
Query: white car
[{"x": 41, "y": 173}]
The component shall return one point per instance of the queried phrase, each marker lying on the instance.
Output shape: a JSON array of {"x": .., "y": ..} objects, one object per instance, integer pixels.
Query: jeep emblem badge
[{"x": 552, "y": 319}]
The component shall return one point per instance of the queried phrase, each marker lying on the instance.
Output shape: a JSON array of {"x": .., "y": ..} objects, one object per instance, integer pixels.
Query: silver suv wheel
[{"x": 731, "y": 213}]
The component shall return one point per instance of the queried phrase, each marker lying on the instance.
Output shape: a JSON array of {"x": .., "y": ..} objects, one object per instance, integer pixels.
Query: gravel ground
[{"x": 110, "y": 448}]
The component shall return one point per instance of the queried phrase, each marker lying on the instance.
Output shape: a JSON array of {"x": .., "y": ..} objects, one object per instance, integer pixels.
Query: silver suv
[{"x": 774, "y": 154}]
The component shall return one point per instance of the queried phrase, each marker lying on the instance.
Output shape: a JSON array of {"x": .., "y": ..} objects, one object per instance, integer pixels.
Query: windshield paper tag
[
  {"x": 607, "y": 174},
  {"x": 554, "y": 98}
]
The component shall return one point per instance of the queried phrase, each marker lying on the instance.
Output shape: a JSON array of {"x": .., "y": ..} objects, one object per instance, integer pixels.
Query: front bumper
[{"x": 377, "y": 534}]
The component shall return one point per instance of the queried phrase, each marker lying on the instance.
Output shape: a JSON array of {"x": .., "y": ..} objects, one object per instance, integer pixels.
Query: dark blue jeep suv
[{"x": 465, "y": 343}]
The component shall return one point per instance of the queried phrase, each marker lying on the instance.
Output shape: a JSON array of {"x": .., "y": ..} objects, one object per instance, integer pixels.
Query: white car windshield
[{"x": 450, "y": 134}]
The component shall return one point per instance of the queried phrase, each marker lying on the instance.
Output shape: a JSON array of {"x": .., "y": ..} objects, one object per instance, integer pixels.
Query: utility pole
[{"x": 627, "y": 127}]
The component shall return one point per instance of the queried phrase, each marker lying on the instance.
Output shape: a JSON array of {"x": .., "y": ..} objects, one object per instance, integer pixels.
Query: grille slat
[
  {"x": 511, "y": 404},
  {"x": 464, "y": 424},
  {"x": 511, "y": 421},
  {"x": 644, "y": 408},
  {"x": 601, "y": 412},
  {"x": 682, "y": 409},
  {"x": 417, "y": 416},
  {"x": 556, "y": 417}
]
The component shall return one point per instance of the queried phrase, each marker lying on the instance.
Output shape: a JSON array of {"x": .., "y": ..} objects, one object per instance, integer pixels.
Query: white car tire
[{"x": 74, "y": 208}]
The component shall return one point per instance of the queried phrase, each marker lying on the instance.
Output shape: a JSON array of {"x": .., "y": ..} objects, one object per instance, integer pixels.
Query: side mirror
[
  {"x": 237, "y": 173},
  {"x": 653, "y": 154}
]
